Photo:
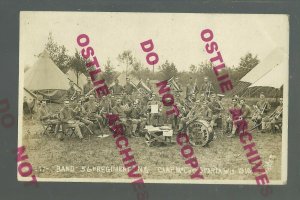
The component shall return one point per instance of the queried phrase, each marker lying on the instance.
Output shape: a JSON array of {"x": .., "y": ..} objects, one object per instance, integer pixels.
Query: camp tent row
[
  {"x": 45, "y": 78},
  {"x": 271, "y": 72}
]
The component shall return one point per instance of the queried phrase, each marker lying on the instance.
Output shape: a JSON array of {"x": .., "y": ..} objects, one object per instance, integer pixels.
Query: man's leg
[{"x": 77, "y": 129}]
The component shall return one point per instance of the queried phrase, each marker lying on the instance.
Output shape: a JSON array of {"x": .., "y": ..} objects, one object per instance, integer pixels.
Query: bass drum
[{"x": 200, "y": 133}]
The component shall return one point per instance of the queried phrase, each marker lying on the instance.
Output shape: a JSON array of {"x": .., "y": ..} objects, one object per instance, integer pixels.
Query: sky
[{"x": 176, "y": 36}]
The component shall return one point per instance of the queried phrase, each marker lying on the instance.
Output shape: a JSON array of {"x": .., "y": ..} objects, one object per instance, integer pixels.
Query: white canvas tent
[
  {"x": 270, "y": 72},
  {"x": 82, "y": 79},
  {"x": 29, "y": 95},
  {"x": 45, "y": 75},
  {"x": 275, "y": 78},
  {"x": 45, "y": 78},
  {"x": 273, "y": 59}
]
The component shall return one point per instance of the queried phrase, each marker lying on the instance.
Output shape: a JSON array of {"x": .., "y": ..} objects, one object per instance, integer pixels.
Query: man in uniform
[
  {"x": 71, "y": 92},
  {"x": 46, "y": 117},
  {"x": 199, "y": 111},
  {"x": 191, "y": 88},
  {"x": 148, "y": 83},
  {"x": 231, "y": 124},
  {"x": 276, "y": 118},
  {"x": 81, "y": 115},
  {"x": 246, "y": 111},
  {"x": 261, "y": 108},
  {"x": 88, "y": 87},
  {"x": 154, "y": 110},
  {"x": 66, "y": 116},
  {"x": 128, "y": 88},
  {"x": 116, "y": 88},
  {"x": 168, "y": 119},
  {"x": 216, "y": 109},
  {"x": 207, "y": 88},
  {"x": 136, "y": 117}
]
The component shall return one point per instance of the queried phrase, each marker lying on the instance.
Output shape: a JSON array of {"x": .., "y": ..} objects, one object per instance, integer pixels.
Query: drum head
[{"x": 200, "y": 133}]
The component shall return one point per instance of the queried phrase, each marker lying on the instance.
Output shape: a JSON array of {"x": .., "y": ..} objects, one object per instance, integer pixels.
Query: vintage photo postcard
[{"x": 153, "y": 97}]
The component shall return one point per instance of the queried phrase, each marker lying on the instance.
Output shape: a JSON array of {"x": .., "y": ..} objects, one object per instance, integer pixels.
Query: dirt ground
[{"x": 94, "y": 157}]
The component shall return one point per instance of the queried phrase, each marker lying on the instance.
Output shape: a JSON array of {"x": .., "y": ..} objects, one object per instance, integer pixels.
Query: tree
[
  {"x": 77, "y": 64},
  {"x": 168, "y": 70},
  {"x": 247, "y": 63},
  {"x": 126, "y": 58},
  {"x": 58, "y": 53}
]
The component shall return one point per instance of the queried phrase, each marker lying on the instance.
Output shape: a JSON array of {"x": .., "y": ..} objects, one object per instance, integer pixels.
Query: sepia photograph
[{"x": 183, "y": 98}]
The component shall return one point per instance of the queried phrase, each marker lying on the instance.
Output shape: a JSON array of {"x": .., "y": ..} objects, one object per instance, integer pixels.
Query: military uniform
[
  {"x": 117, "y": 89},
  {"x": 154, "y": 118},
  {"x": 231, "y": 124},
  {"x": 128, "y": 88},
  {"x": 207, "y": 89},
  {"x": 246, "y": 111},
  {"x": 262, "y": 107},
  {"x": 276, "y": 119},
  {"x": 71, "y": 92},
  {"x": 136, "y": 119},
  {"x": 189, "y": 90},
  {"x": 216, "y": 111},
  {"x": 87, "y": 87},
  {"x": 47, "y": 117},
  {"x": 66, "y": 116}
]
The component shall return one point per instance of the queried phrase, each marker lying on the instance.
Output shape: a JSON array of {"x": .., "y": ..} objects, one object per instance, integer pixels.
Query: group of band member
[{"x": 86, "y": 114}]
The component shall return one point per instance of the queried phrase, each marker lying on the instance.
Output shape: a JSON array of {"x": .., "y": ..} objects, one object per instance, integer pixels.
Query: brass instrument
[
  {"x": 74, "y": 95},
  {"x": 87, "y": 94},
  {"x": 264, "y": 107},
  {"x": 276, "y": 113}
]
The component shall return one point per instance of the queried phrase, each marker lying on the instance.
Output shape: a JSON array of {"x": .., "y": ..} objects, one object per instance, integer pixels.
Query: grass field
[{"x": 51, "y": 157}]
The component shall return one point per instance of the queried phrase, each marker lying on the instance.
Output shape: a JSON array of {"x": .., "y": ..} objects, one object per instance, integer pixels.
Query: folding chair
[{"x": 47, "y": 126}]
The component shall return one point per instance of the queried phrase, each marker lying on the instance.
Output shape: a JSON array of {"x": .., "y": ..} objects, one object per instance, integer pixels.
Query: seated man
[
  {"x": 92, "y": 111},
  {"x": 275, "y": 119},
  {"x": 136, "y": 117},
  {"x": 197, "y": 112},
  {"x": 80, "y": 115},
  {"x": 261, "y": 109},
  {"x": 246, "y": 111},
  {"x": 216, "y": 109},
  {"x": 231, "y": 124},
  {"x": 68, "y": 120},
  {"x": 46, "y": 117}
]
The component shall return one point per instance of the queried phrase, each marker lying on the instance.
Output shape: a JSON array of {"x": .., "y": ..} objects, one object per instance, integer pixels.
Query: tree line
[{"x": 59, "y": 54}]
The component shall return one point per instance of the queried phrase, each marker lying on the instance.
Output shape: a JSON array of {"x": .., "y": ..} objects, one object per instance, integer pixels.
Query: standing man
[
  {"x": 189, "y": 88},
  {"x": 207, "y": 88},
  {"x": 88, "y": 87},
  {"x": 116, "y": 88},
  {"x": 148, "y": 83},
  {"x": 71, "y": 92},
  {"x": 128, "y": 88}
]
